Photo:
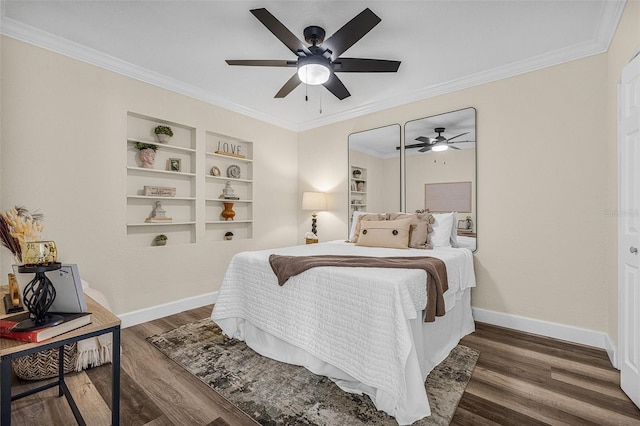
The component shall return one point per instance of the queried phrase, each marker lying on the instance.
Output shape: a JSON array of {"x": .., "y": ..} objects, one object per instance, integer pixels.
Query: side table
[{"x": 102, "y": 322}]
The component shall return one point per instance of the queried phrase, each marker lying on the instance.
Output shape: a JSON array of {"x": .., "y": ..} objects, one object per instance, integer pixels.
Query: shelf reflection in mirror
[
  {"x": 374, "y": 171},
  {"x": 443, "y": 180}
]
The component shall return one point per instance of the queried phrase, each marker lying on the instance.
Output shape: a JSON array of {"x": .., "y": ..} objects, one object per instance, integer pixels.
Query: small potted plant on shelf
[
  {"x": 147, "y": 153},
  {"x": 160, "y": 240},
  {"x": 163, "y": 133},
  {"x": 357, "y": 173}
]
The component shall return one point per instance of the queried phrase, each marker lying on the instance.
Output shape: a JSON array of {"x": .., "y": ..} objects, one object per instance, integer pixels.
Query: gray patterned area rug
[{"x": 274, "y": 393}]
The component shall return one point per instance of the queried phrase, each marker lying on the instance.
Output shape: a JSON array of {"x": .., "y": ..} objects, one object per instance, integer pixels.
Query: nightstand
[{"x": 102, "y": 322}]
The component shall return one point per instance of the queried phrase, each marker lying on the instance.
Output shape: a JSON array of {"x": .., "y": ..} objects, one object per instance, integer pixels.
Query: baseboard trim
[
  {"x": 611, "y": 351},
  {"x": 572, "y": 334},
  {"x": 569, "y": 333},
  {"x": 130, "y": 319}
]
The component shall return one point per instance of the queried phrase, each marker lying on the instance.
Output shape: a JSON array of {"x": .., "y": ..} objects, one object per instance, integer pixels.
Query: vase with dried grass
[{"x": 18, "y": 226}]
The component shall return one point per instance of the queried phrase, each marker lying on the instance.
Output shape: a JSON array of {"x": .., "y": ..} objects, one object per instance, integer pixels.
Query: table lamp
[{"x": 314, "y": 201}]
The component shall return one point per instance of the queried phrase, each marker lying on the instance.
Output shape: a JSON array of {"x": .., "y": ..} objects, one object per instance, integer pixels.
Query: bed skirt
[{"x": 431, "y": 344}]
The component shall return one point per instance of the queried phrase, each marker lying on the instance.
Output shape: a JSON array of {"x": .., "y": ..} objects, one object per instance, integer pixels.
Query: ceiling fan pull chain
[
  {"x": 320, "y": 102},
  {"x": 306, "y": 87}
]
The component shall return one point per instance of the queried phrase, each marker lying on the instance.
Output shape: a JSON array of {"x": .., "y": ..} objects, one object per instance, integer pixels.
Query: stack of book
[{"x": 71, "y": 322}]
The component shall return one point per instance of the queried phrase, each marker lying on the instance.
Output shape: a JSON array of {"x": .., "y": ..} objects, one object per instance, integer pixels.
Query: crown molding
[
  {"x": 48, "y": 41},
  {"x": 610, "y": 14}
]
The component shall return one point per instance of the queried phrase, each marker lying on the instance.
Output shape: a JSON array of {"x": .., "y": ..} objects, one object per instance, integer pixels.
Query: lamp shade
[
  {"x": 440, "y": 146},
  {"x": 314, "y": 201},
  {"x": 313, "y": 74},
  {"x": 313, "y": 70}
]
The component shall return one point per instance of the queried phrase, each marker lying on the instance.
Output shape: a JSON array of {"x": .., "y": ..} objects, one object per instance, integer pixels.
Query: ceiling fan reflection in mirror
[
  {"x": 318, "y": 62},
  {"x": 439, "y": 143}
]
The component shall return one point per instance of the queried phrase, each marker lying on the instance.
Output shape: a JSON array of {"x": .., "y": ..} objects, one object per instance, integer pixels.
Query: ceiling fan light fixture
[
  {"x": 313, "y": 71},
  {"x": 440, "y": 146}
]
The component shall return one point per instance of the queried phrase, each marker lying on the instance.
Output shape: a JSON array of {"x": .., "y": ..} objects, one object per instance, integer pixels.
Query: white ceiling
[{"x": 443, "y": 45}]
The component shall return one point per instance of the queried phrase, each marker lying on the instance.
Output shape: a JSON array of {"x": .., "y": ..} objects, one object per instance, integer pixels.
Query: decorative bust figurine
[
  {"x": 148, "y": 157},
  {"x": 158, "y": 211}
]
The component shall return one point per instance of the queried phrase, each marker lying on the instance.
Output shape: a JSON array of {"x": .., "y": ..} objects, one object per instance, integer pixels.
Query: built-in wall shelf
[
  {"x": 196, "y": 209},
  {"x": 173, "y": 166},
  {"x": 228, "y": 172},
  {"x": 358, "y": 189}
]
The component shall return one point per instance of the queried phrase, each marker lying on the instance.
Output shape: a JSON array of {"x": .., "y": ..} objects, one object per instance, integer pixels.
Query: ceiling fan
[
  {"x": 439, "y": 143},
  {"x": 318, "y": 62}
]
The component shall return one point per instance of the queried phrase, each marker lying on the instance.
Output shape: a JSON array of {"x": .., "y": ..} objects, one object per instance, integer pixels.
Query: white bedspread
[{"x": 353, "y": 318}]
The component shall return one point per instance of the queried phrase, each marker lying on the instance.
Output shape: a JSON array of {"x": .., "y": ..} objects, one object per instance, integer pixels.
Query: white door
[{"x": 629, "y": 230}]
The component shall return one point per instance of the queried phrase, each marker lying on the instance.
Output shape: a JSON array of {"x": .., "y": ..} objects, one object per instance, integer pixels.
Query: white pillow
[
  {"x": 442, "y": 228},
  {"x": 354, "y": 222},
  {"x": 454, "y": 230}
]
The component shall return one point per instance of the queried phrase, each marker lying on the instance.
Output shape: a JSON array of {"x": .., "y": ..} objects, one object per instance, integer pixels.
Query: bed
[{"x": 361, "y": 327}]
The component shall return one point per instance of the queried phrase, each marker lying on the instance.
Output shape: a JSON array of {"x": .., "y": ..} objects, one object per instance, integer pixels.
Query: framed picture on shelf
[
  {"x": 174, "y": 164},
  {"x": 215, "y": 171}
]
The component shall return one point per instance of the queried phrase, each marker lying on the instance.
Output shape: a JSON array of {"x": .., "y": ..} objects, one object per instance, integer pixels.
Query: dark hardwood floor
[{"x": 520, "y": 379}]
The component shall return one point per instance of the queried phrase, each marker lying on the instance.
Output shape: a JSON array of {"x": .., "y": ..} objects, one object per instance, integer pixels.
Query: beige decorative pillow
[
  {"x": 420, "y": 228},
  {"x": 365, "y": 217},
  {"x": 385, "y": 233}
]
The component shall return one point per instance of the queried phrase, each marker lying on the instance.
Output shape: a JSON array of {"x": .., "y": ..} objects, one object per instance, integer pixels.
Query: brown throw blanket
[{"x": 287, "y": 266}]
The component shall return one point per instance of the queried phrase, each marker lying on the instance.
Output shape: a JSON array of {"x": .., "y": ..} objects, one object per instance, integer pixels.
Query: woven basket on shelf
[{"x": 44, "y": 365}]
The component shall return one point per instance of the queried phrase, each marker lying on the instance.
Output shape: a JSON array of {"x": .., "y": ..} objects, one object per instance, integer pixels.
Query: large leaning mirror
[
  {"x": 374, "y": 170},
  {"x": 440, "y": 168}
]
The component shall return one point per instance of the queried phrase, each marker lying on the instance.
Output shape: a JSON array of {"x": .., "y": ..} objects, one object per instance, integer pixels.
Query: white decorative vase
[{"x": 162, "y": 138}]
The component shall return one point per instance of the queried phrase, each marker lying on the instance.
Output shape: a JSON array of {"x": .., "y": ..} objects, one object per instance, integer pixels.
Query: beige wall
[
  {"x": 453, "y": 166},
  {"x": 64, "y": 152},
  {"x": 547, "y": 181}
]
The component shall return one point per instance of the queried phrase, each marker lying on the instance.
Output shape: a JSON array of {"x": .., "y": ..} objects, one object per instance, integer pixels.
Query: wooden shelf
[{"x": 230, "y": 157}]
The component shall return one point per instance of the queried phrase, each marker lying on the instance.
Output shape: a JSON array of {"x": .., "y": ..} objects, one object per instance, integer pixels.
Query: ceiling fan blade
[
  {"x": 365, "y": 65},
  {"x": 337, "y": 87},
  {"x": 262, "y": 62},
  {"x": 351, "y": 32},
  {"x": 423, "y": 139},
  {"x": 453, "y": 147},
  {"x": 425, "y": 149},
  {"x": 280, "y": 31},
  {"x": 457, "y": 136},
  {"x": 415, "y": 145},
  {"x": 291, "y": 84}
]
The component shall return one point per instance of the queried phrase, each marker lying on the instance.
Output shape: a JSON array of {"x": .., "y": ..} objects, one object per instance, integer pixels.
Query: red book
[{"x": 71, "y": 322}]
